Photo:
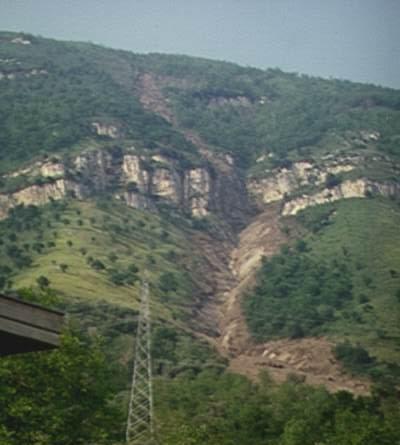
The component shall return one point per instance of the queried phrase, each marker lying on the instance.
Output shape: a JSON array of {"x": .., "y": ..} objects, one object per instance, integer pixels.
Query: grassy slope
[
  {"x": 132, "y": 235},
  {"x": 281, "y": 124},
  {"x": 94, "y": 303},
  {"x": 369, "y": 231},
  {"x": 355, "y": 241}
]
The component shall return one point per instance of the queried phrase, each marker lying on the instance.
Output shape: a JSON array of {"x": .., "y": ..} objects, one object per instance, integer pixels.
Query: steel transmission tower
[{"x": 140, "y": 425}]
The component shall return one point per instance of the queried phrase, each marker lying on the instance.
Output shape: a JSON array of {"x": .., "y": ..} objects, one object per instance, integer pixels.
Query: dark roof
[{"x": 26, "y": 327}]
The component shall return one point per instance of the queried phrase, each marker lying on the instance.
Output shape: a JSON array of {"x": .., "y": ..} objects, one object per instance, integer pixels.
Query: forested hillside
[{"x": 262, "y": 206}]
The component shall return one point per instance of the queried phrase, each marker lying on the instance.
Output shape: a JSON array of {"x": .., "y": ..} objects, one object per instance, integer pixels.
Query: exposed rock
[
  {"x": 21, "y": 73},
  {"x": 284, "y": 181},
  {"x": 106, "y": 130},
  {"x": 9, "y": 76},
  {"x": 152, "y": 98},
  {"x": 161, "y": 159},
  {"x": 217, "y": 187},
  {"x": 39, "y": 195},
  {"x": 48, "y": 169},
  {"x": 336, "y": 169},
  {"x": 221, "y": 189},
  {"x": 348, "y": 189},
  {"x": 8, "y": 61},
  {"x": 236, "y": 101},
  {"x": 137, "y": 200},
  {"x": 167, "y": 184},
  {"x": 229, "y": 159},
  {"x": 21, "y": 41},
  {"x": 5, "y": 206},
  {"x": 24, "y": 171},
  {"x": 197, "y": 191},
  {"x": 52, "y": 169},
  {"x": 100, "y": 168},
  {"x": 36, "y": 72},
  {"x": 368, "y": 135},
  {"x": 135, "y": 173},
  {"x": 261, "y": 158}
]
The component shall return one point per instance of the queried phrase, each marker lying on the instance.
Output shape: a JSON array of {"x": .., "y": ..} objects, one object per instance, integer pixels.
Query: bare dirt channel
[
  {"x": 309, "y": 359},
  {"x": 229, "y": 272}
]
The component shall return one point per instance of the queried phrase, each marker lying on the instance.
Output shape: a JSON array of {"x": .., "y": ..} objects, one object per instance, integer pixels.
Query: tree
[
  {"x": 132, "y": 187},
  {"x": 58, "y": 397},
  {"x": 301, "y": 246},
  {"x": 332, "y": 180},
  {"x": 63, "y": 267},
  {"x": 168, "y": 282},
  {"x": 113, "y": 257},
  {"x": 97, "y": 265},
  {"x": 43, "y": 281}
]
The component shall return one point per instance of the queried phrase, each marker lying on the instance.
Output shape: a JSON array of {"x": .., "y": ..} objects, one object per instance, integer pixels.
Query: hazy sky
[{"x": 349, "y": 39}]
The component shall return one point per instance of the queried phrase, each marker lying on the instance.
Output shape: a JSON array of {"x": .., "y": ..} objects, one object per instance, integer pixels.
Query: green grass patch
[
  {"x": 96, "y": 252},
  {"x": 342, "y": 280}
]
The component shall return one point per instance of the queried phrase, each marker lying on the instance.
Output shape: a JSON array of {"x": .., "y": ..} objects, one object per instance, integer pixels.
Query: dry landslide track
[
  {"x": 229, "y": 272},
  {"x": 309, "y": 359}
]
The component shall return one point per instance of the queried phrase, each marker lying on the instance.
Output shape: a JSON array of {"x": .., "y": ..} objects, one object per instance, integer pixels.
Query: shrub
[
  {"x": 332, "y": 180},
  {"x": 97, "y": 265},
  {"x": 168, "y": 282},
  {"x": 113, "y": 257},
  {"x": 43, "y": 282},
  {"x": 63, "y": 267},
  {"x": 301, "y": 246},
  {"x": 356, "y": 358},
  {"x": 132, "y": 187},
  {"x": 133, "y": 269}
]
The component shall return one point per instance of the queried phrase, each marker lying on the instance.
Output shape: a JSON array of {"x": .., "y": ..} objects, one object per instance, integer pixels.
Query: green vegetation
[
  {"x": 225, "y": 409},
  {"x": 357, "y": 360},
  {"x": 297, "y": 295},
  {"x": 336, "y": 282},
  {"x": 244, "y": 111},
  {"x": 175, "y": 352},
  {"x": 67, "y": 397},
  {"x": 340, "y": 280},
  {"x": 248, "y": 111},
  {"x": 78, "y": 394},
  {"x": 95, "y": 251},
  {"x": 54, "y": 109},
  {"x": 62, "y": 397}
]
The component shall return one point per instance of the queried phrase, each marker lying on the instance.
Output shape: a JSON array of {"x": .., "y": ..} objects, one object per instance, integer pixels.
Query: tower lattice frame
[{"x": 140, "y": 425}]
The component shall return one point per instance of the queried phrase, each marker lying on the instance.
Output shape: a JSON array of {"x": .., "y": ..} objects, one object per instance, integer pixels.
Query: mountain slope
[{"x": 195, "y": 170}]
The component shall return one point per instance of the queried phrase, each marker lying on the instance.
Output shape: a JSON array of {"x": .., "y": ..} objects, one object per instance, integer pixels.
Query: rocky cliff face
[
  {"x": 162, "y": 178},
  {"x": 137, "y": 179},
  {"x": 39, "y": 195},
  {"x": 283, "y": 182},
  {"x": 142, "y": 180},
  {"x": 286, "y": 185},
  {"x": 360, "y": 188}
]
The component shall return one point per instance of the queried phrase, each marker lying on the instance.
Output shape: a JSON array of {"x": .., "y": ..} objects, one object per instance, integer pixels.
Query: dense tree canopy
[{"x": 61, "y": 397}]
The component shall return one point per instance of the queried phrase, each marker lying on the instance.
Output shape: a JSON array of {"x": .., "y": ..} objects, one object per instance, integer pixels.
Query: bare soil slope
[{"x": 228, "y": 272}]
